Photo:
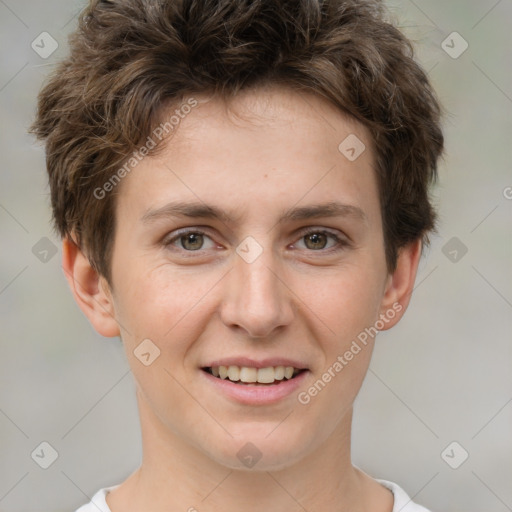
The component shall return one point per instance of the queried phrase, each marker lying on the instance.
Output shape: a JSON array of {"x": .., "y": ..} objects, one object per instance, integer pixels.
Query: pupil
[
  {"x": 315, "y": 238},
  {"x": 195, "y": 239}
]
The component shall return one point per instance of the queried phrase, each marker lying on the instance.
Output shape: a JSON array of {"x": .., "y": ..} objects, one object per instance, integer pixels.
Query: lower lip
[{"x": 256, "y": 394}]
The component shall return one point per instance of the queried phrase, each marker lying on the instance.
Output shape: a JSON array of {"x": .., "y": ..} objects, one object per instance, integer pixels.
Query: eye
[
  {"x": 189, "y": 240},
  {"x": 193, "y": 240},
  {"x": 317, "y": 240}
]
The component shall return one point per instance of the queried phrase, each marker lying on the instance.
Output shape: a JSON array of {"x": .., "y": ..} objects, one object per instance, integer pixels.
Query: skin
[{"x": 266, "y": 152}]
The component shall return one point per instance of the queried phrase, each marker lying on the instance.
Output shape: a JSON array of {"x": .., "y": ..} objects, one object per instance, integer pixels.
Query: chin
[{"x": 259, "y": 451}]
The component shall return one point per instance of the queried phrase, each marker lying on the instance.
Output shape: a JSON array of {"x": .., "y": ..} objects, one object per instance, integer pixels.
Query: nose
[{"x": 256, "y": 298}]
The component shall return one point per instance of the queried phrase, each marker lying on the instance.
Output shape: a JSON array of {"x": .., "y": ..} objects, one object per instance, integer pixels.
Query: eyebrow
[{"x": 204, "y": 211}]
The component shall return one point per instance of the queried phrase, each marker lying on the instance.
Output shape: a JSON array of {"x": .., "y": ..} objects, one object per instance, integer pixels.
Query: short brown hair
[{"x": 131, "y": 58}]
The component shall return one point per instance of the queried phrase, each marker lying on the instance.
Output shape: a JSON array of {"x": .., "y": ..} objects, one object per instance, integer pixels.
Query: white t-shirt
[{"x": 402, "y": 502}]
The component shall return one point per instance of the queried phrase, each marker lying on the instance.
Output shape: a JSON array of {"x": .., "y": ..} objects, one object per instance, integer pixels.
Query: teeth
[
  {"x": 234, "y": 373},
  {"x": 288, "y": 372},
  {"x": 251, "y": 375},
  {"x": 279, "y": 373},
  {"x": 267, "y": 375},
  {"x": 247, "y": 374}
]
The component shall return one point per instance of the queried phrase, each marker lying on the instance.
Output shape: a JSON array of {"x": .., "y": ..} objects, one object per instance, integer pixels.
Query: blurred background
[{"x": 435, "y": 411}]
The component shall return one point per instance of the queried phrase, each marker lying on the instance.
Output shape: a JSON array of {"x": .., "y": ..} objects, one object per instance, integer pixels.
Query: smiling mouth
[{"x": 245, "y": 375}]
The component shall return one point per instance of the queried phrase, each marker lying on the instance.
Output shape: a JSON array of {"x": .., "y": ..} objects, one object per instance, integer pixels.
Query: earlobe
[
  {"x": 91, "y": 292},
  {"x": 400, "y": 284}
]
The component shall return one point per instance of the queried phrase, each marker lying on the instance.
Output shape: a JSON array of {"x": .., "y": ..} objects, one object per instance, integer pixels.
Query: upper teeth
[{"x": 248, "y": 374}]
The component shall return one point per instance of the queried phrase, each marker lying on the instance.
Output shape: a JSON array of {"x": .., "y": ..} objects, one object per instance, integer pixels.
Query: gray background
[{"x": 442, "y": 375}]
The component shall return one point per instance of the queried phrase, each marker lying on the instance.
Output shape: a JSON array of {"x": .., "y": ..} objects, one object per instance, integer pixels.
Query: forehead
[
  {"x": 268, "y": 109},
  {"x": 262, "y": 147}
]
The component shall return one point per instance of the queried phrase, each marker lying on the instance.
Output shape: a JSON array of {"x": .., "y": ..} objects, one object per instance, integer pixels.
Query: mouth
[{"x": 250, "y": 376}]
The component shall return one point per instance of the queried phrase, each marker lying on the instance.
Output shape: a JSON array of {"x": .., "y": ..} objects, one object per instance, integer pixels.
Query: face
[{"x": 251, "y": 241}]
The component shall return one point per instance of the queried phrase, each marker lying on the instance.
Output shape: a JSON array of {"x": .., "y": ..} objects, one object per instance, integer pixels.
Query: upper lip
[{"x": 253, "y": 363}]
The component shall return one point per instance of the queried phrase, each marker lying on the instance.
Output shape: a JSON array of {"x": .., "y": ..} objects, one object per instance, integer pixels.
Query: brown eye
[
  {"x": 315, "y": 240},
  {"x": 322, "y": 241},
  {"x": 187, "y": 241},
  {"x": 192, "y": 241}
]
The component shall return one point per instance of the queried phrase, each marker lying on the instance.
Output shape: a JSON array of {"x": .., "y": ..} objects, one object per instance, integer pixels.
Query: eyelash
[{"x": 340, "y": 242}]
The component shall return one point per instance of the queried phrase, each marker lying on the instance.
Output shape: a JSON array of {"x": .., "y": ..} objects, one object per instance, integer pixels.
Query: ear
[
  {"x": 91, "y": 291},
  {"x": 400, "y": 284}
]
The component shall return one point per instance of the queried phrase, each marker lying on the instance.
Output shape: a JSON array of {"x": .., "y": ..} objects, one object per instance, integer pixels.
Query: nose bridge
[{"x": 256, "y": 301}]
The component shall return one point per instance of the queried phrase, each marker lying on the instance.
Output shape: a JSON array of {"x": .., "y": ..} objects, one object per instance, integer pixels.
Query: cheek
[
  {"x": 347, "y": 301},
  {"x": 164, "y": 306},
  {"x": 348, "y": 307},
  {"x": 169, "y": 311}
]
